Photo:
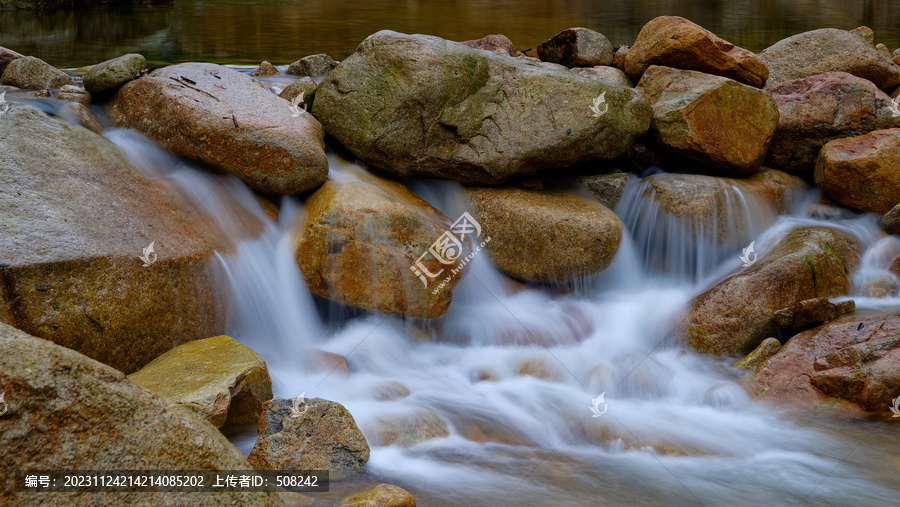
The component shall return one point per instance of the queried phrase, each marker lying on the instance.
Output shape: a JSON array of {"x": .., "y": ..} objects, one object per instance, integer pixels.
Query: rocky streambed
[{"x": 428, "y": 263}]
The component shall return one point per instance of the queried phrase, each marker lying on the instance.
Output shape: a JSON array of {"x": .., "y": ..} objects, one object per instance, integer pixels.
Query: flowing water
[{"x": 676, "y": 427}]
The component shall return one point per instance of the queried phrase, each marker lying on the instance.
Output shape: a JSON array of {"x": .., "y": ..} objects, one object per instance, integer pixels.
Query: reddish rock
[
  {"x": 6, "y": 56},
  {"x": 265, "y": 69},
  {"x": 673, "y": 41},
  {"x": 619, "y": 56},
  {"x": 493, "y": 42},
  {"x": 861, "y": 172}
]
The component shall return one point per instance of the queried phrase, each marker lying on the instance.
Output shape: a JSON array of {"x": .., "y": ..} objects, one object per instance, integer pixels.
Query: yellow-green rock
[{"x": 382, "y": 495}]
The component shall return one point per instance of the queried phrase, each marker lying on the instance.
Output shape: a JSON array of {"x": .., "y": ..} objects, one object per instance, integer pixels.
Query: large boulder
[
  {"x": 75, "y": 218},
  {"x": 861, "y": 172},
  {"x": 673, "y": 41},
  {"x": 709, "y": 118},
  {"x": 577, "y": 47},
  {"x": 421, "y": 105},
  {"x": 313, "y": 434},
  {"x": 223, "y": 380},
  {"x": 65, "y": 411},
  {"x": 224, "y": 118},
  {"x": 737, "y": 314},
  {"x": 545, "y": 235},
  {"x": 33, "y": 73},
  {"x": 890, "y": 222},
  {"x": 6, "y": 56},
  {"x": 820, "y": 108},
  {"x": 827, "y": 50},
  {"x": 854, "y": 358},
  {"x": 362, "y": 240},
  {"x": 114, "y": 73}
]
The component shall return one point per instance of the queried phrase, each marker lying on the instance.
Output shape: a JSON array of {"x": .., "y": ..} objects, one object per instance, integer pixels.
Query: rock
[
  {"x": 6, "y": 56},
  {"x": 304, "y": 85},
  {"x": 265, "y": 69},
  {"x": 321, "y": 360},
  {"x": 221, "y": 379},
  {"x": 737, "y": 314},
  {"x": 268, "y": 207},
  {"x": 65, "y": 411},
  {"x": 861, "y": 172},
  {"x": 79, "y": 114},
  {"x": 709, "y": 118},
  {"x": 602, "y": 73},
  {"x": 577, "y": 47},
  {"x": 881, "y": 48},
  {"x": 607, "y": 188},
  {"x": 312, "y": 65},
  {"x": 481, "y": 126},
  {"x": 878, "y": 283},
  {"x": 854, "y": 358},
  {"x": 112, "y": 74},
  {"x": 895, "y": 267},
  {"x": 672, "y": 41},
  {"x": 826, "y": 212},
  {"x": 866, "y": 33},
  {"x": 408, "y": 429},
  {"x": 223, "y": 118},
  {"x": 390, "y": 391},
  {"x": 361, "y": 240},
  {"x": 828, "y": 50},
  {"x": 72, "y": 93},
  {"x": 705, "y": 202},
  {"x": 768, "y": 348},
  {"x": 891, "y": 220},
  {"x": 493, "y": 43},
  {"x": 821, "y": 108},
  {"x": 545, "y": 236},
  {"x": 70, "y": 251},
  {"x": 33, "y": 73},
  {"x": 619, "y": 56},
  {"x": 541, "y": 368},
  {"x": 811, "y": 312},
  {"x": 382, "y": 495},
  {"x": 312, "y": 434}
]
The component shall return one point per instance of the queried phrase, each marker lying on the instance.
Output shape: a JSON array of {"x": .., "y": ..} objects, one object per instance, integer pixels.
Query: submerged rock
[
  {"x": 219, "y": 378},
  {"x": 225, "y": 119},
  {"x": 382, "y": 495},
  {"x": 72, "y": 93},
  {"x": 420, "y": 105},
  {"x": 709, "y": 118},
  {"x": 114, "y": 73},
  {"x": 577, "y": 47},
  {"x": 607, "y": 188},
  {"x": 828, "y": 50},
  {"x": 363, "y": 237},
  {"x": 673, "y": 41},
  {"x": 854, "y": 358},
  {"x": 70, "y": 251},
  {"x": 33, "y": 73},
  {"x": 737, "y": 314},
  {"x": 861, "y": 172},
  {"x": 546, "y": 235},
  {"x": 313, "y": 434},
  {"x": 65, "y": 411},
  {"x": 408, "y": 429}
]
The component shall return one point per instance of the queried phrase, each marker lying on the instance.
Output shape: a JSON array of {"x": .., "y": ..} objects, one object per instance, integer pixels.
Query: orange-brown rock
[
  {"x": 6, "y": 56},
  {"x": 673, "y": 41},
  {"x": 265, "y": 69},
  {"x": 493, "y": 42},
  {"x": 382, "y": 495},
  {"x": 861, "y": 172}
]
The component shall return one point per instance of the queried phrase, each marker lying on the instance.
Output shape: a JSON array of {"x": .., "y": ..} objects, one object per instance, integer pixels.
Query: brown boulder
[
  {"x": 604, "y": 73},
  {"x": 70, "y": 251},
  {"x": 545, "y": 235},
  {"x": 577, "y": 47},
  {"x": 737, "y": 314},
  {"x": 311, "y": 434},
  {"x": 224, "y": 118},
  {"x": 820, "y": 108},
  {"x": 606, "y": 188},
  {"x": 33, "y": 73},
  {"x": 382, "y": 495},
  {"x": 768, "y": 348},
  {"x": 619, "y": 56},
  {"x": 362, "y": 240},
  {"x": 673, "y": 41},
  {"x": 854, "y": 358},
  {"x": 861, "y": 172},
  {"x": 709, "y": 118},
  {"x": 65, "y": 411},
  {"x": 305, "y": 88},
  {"x": 890, "y": 222},
  {"x": 265, "y": 69},
  {"x": 493, "y": 43},
  {"x": 312, "y": 65},
  {"x": 866, "y": 33},
  {"x": 72, "y": 93},
  {"x": 811, "y": 312},
  {"x": 6, "y": 56}
]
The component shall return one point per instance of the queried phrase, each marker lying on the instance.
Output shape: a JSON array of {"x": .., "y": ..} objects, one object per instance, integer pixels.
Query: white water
[{"x": 679, "y": 429}]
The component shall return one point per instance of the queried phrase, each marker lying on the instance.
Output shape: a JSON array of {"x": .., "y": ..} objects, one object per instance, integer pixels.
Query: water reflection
[{"x": 281, "y": 31}]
